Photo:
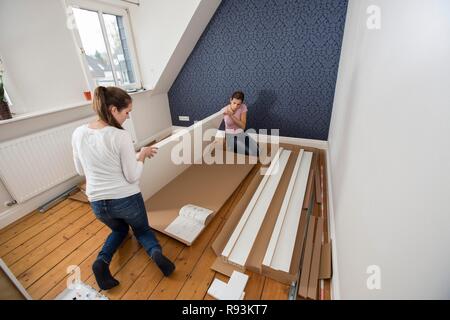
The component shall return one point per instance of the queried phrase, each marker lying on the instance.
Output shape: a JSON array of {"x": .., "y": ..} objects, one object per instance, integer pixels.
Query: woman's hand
[
  {"x": 228, "y": 111},
  {"x": 147, "y": 152}
]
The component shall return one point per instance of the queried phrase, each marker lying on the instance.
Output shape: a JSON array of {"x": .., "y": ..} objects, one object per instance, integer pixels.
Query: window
[{"x": 103, "y": 35}]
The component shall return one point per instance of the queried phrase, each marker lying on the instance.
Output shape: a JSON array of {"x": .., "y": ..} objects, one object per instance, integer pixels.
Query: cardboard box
[{"x": 254, "y": 261}]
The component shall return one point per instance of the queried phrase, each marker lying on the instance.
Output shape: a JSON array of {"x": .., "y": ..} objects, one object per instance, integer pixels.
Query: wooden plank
[
  {"x": 128, "y": 274},
  {"x": 326, "y": 294},
  {"x": 285, "y": 241},
  {"x": 132, "y": 271},
  {"x": 19, "y": 239},
  {"x": 240, "y": 226},
  {"x": 200, "y": 279},
  {"x": 274, "y": 290},
  {"x": 324, "y": 182},
  {"x": 169, "y": 288},
  {"x": 307, "y": 257},
  {"x": 325, "y": 261},
  {"x": 255, "y": 286},
  {"x": 122, "y": 257},
  {"x": 125, "y": 252},
  {"x": 78, "y": 218},
  {"x": 27, "y": 222},
  {"x": 151, "y": 276},
  {"x": 85, "y": 272},
  {"x": 318, "y": 183},
  {"x": 39, "y": 269},
  {"x": 247, "y": 236},
  {"x": 58, "y": 272},
  {"x": 49, "y": 246},
  {"x": 315, "y": 263}
]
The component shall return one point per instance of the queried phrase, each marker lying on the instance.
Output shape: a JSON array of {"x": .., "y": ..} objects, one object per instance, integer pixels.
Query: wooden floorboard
[{"x": 39, "y": 248}]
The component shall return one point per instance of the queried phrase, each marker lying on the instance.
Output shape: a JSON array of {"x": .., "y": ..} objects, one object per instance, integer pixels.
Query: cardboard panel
[
  {"x": 307, "y": 257},
  {"x": 315, "y": 264},
  {"x": 325, "y": 262},
  {"x": 317, "y": 182},
  {"x": 207, "y": 186}
]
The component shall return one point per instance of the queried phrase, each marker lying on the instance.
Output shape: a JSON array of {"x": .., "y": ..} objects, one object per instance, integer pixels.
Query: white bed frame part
[
  {"x": 244, "y": 235},
  {"x": 281, "y": 246},
  {"x": 160, "y": 170}
]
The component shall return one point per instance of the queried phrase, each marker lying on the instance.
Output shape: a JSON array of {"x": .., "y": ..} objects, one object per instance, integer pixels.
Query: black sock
[
  {"x": 164, "y": 264},
  {"x": 103, "y": 276}
]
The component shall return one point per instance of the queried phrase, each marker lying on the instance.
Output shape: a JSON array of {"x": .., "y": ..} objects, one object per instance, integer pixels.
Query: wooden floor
[{"x": 40, "y": 247}]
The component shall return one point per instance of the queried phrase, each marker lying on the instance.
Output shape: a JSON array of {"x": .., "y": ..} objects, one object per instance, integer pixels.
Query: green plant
[{"x": 2, "y": 91}]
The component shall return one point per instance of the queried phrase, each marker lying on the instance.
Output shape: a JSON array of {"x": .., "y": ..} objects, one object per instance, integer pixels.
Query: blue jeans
[{"x": 118, "y": 215}]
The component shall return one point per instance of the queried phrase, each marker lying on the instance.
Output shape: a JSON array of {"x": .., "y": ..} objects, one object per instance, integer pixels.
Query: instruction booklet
[{"x": 190, "y": 222}]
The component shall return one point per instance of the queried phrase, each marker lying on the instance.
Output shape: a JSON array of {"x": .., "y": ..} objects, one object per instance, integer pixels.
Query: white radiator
[{"x": 33, "y": 164}]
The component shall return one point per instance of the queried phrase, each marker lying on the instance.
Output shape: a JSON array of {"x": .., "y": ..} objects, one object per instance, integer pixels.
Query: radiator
[{"x": 35, "y": 163}]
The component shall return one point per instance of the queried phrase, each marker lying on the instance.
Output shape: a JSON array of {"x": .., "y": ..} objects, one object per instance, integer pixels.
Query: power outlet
[{"x": 183, "y": 118}]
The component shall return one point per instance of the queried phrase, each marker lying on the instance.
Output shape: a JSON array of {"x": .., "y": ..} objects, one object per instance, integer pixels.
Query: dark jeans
[
  {"x": 118, "y": 215},
  {"x": 242, "y": 143}
]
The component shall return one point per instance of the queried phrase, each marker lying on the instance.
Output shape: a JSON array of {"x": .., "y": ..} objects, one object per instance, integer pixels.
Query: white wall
[
  {"x": 44, "y": 71},
  {"x": 186, "y": 44},
  {"x": 389, "y": 151},
  {"x": 166, "y": 33},
  {"x": 151, "y": 120},
  {"x": 43, "y": 67}
]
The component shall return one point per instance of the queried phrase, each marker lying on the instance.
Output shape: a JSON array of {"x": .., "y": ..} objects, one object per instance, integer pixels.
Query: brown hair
[
  {"x": 238, "y": 95},
  {"x": 104, "y": 98}
]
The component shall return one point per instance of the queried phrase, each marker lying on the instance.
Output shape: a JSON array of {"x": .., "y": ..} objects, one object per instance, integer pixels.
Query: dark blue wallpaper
[{"x": 284, "y": 55}]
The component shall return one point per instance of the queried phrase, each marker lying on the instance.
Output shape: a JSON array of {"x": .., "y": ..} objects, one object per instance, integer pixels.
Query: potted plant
[{"x": 5, "y": 112}]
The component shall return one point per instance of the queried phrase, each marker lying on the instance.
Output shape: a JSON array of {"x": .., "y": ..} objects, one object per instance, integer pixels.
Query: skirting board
[
  {"x": 335, "y": 289},
  {"x": 312, "y": 143}
]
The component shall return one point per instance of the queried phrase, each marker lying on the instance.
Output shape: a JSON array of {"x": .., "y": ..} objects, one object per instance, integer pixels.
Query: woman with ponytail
[{"x": 104, "y": 153}]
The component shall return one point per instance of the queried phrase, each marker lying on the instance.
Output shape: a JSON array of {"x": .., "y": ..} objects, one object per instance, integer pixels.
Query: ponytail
[{"x": 105, "y": 98}]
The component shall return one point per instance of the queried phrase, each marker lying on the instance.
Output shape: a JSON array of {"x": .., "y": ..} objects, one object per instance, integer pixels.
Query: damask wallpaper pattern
[{"x": 284, "y": 55}]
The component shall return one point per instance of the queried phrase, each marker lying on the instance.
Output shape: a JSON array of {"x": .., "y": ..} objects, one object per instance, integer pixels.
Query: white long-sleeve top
[{"x": 107, "y": 158}]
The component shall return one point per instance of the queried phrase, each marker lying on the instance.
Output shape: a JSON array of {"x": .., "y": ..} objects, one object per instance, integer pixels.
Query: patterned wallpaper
[{"x": 284, "y": 55}]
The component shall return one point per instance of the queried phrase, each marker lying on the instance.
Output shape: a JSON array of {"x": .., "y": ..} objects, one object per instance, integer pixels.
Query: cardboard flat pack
[
  {"x": 325, "y": 262},
  {"x": 223, "y": 267},
  {"x": 254, "y": 261},
  {"x": 315, "y": 262},
  {"x": 307, "y": 258},
  {"x": 203, "y": 185}
]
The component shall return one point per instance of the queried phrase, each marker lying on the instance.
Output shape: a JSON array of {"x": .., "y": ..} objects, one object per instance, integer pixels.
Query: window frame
[{"x": 104, "y": 8}]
